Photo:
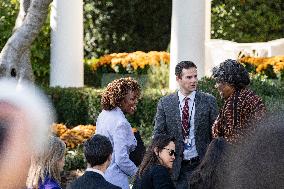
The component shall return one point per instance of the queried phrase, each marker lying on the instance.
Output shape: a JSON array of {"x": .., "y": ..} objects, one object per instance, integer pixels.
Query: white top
[
  {"x": 189, "y": 152},
  {"x": 114, "y": 125}
]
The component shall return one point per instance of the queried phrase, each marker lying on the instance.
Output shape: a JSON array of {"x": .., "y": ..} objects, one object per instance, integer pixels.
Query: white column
[
  {"x": 67, "y": 43},
  {"x": 189, "y": 30}
]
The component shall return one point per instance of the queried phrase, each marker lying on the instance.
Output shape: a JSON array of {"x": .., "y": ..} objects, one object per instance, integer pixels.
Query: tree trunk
[{"x": 15, "y": 56}]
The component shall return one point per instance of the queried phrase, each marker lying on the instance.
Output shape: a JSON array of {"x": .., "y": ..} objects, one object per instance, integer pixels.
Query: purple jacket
[
  {"x": 115, "y": 126},
  {"x": 49, "y": 183}
]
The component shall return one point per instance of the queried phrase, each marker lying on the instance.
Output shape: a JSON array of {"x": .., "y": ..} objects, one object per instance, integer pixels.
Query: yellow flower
[{"x": 135, "y": 60}]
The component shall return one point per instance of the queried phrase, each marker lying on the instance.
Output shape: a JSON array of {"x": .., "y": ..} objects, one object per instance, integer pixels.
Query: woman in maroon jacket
[{"x": 242, "y": 106}]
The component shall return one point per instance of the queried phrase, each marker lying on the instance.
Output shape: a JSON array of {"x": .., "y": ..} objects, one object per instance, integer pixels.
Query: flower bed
[
  {"x": 75, "y": 136},
  {"x": 272, "y": 67},
  {"x": 126, "y": 63}
]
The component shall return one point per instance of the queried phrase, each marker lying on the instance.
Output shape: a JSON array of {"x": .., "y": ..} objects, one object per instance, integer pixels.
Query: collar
[
  {"x": 181, "y": 97},
  {"x": 118, "y": 109},
  {"x": 96, "y": 171}
]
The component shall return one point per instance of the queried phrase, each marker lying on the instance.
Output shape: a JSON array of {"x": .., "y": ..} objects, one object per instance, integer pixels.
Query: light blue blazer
[{"x": 115, "y": 126}]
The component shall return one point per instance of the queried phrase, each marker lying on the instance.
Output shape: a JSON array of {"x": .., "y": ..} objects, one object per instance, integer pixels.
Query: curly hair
[
  {"x": 231, "y": 72},
  {"x": 150, "y": 158},
  {"x": 116, "y": 92}
]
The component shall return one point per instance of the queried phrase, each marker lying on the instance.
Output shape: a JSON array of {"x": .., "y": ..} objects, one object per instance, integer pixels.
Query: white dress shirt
[{"x": 191, "y": 152}]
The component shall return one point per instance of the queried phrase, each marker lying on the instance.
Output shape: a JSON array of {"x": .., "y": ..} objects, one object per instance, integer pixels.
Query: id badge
[{"x": 187, "y": 143}]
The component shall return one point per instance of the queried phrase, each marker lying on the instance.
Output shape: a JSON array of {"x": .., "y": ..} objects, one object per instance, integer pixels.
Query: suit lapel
[
  {"x": 176, "y": 111},
  {"x": 198, "y": 110}
]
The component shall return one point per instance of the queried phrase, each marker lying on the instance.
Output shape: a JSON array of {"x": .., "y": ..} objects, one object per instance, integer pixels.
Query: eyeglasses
[{"x": 171, "y": 152}]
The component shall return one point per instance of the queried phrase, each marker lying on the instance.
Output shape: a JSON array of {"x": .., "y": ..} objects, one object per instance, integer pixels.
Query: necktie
[{"x": 185, "y": 118}]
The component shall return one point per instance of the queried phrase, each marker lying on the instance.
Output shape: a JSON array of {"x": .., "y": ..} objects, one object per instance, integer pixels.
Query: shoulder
[
  {"x": 159, "y": 170},
  {"x": 169, "y": 97},
  {"x": 111, "y": 186},
  {"x": 205, "y": 96}
]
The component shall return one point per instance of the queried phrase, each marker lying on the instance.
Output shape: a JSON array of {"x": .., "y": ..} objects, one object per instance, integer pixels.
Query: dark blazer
[
  {"x": 156, "y": 177},
  {"x": 91, "y": 180},
  {"x": 168, "y": 121}
]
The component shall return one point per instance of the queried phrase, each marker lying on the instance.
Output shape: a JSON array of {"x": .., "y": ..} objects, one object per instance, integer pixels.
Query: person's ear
[
  {"x": 109, "y": 157},
  {"x": 156, "y": 151},
  {"x": 177, "y": 78}
]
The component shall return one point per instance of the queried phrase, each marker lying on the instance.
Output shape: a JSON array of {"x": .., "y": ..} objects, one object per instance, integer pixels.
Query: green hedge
[
  {"x": 247, "y": 20},
  {"x": 76, "y": 106},
  {"x": 125, "y": 26}
]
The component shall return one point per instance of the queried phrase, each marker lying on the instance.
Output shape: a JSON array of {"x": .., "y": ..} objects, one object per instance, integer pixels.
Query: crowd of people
[{"x": 194, "y": 146}]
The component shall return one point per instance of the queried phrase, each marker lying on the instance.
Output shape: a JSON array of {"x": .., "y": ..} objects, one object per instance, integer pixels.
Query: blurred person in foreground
[
  {"x": 210, "y": 172},
  {"x": 46, "y": 166},
  {"x": 97, "y": 151},
  {"x": 25, "y": 119},
  {"x": 256, "y": 162},
  {"x": 154, "y": 171},
  {"x": 242, "y": 106},
  {"x": 119, "y": 98}
]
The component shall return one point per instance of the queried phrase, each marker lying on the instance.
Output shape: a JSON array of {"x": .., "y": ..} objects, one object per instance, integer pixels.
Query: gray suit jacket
[{"x": 168, "y": 121}]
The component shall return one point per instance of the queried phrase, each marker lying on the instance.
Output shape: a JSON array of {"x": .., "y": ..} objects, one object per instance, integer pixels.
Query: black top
[
  {"x": 156, "y": 177},
  {"x": 91, "y": 180}
]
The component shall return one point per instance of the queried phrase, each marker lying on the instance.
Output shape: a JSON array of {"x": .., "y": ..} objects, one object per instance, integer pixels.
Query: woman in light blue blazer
[{"x": 119, "y": 98}]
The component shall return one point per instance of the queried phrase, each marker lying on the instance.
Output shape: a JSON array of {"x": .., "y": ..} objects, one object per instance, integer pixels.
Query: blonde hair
[{"x": 46, "y": 163}]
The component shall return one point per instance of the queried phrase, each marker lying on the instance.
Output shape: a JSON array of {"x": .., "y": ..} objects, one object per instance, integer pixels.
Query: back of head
[
  {"x": 183, "y": 65},
  {"x": 231, "y": 72},
  {"x": 25, "y": 119},
  {"x": 208, "y": 172},
  {"x": 259, "y": 161},
  {"x": 46, "y": 163},
  {"x": 97, "y": 150}
]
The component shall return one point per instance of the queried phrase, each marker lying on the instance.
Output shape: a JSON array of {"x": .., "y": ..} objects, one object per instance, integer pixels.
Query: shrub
[
  {"x": 158, "y": 76},
  {"x": 74, "y": 159},
  {"x": 8, "y": 14},
  {"x": 247, "y": 20},
  {"x": 75, "y": 106},
  {"x": 92, "y": 78},
  {"x": 124, "y": 26}
]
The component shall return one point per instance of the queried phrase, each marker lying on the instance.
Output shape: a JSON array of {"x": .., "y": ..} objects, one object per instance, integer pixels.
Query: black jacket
[
  {"x": 156, "y": 177},
  {"x": 91, "y": 180}
]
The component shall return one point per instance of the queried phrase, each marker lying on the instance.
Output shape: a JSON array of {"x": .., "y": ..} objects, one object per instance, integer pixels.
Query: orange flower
[{"x": 134, "y": 60}]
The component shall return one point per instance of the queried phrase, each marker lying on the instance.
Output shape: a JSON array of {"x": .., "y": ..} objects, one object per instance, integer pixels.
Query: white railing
[{"x": 219, "y": 50}]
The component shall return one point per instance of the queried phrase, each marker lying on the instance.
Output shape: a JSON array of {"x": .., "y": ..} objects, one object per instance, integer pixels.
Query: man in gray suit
[{"x": 187, "y": 115}]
